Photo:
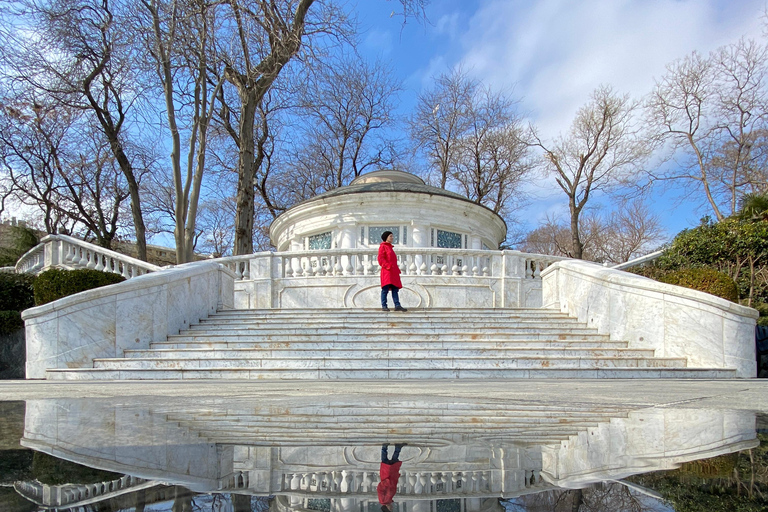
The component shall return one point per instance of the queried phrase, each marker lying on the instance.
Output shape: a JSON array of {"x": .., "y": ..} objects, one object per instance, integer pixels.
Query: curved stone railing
[
  {"x": 636, "y": 262},
  {"x": 708, "y": 331},
  {"x": 70, "y": 253},
  {"x": 79, "y": 495}
]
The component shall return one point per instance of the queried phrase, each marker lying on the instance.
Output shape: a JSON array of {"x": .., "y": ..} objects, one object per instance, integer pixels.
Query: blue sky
[{"x": 551, "y": 54}]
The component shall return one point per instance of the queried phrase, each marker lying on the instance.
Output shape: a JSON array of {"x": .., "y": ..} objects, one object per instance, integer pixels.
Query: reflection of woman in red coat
[
  {"x": 390, "y": 272},
  {"x": 389, "y": 471}
]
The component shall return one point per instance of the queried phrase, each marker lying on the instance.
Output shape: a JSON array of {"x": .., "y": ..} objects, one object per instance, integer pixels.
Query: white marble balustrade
[
  {"x": 74, "y": 495},
  {"x": 411, "y": 483},
  {"x": 432, "y": 277},
  {"x": 61, "y": 251}
]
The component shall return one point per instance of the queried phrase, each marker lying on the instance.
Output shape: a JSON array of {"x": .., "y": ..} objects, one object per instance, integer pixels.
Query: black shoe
[
  {"x": 400, "y": 308},
  {"x": 384, "y": 308}
]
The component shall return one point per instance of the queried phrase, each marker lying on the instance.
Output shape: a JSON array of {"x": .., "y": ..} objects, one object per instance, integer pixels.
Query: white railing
[
  {"x": 411, "y": 483},
  {"x": 68, "y": 495},
  {"x": 63, "y": 251},
  {"x": 642, "y": 260},
  {"x": 412, "y": 261}
]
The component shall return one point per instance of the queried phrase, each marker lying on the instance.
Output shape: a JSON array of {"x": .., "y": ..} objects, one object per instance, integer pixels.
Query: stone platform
[{"x": 369, "y": 344}]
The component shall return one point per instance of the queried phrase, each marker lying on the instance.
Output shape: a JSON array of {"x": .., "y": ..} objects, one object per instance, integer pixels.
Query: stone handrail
[
  {"x": 412, "y": 261},
  {"x": 78, "y": 495},
  {"x": 64, "y": 251},
  {"x": 639, "y": 261},
  {"x": 708, "y": 331},
  {"x": 103, "y": 322}
]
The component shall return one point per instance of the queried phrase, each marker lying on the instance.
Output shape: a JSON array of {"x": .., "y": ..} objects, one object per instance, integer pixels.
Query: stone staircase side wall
[
  {"x": 71, "y": 332},
  {"x": 674, "y": 321}
]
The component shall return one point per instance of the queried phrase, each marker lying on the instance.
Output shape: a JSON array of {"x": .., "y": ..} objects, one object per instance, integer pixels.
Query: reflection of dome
[{"x": 418, "y": 214}]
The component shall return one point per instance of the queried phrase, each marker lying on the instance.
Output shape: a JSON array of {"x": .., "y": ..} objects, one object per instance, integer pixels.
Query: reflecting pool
[{"x": 323, "y": 453}]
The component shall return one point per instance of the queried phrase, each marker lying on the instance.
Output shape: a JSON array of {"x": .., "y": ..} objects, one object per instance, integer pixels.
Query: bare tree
[
  {"x": 473, "y": 140},
  {"x": 713, "y": 113},
  {"x": 629, "y": 231},
  {"x": 81, "y": 56},
  {"x": 348, "y": 103},
  {"x": 65, "y": 168},
  {"x": 440, "y": 120},
  {"x": 493, "y": 157},
  {"x": 603, "y": 149}
]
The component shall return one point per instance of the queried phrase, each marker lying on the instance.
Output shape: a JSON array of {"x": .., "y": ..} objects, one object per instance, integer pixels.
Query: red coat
[
  {"x": 390, "y": 272},
  {"x": 390, "y": 474}
]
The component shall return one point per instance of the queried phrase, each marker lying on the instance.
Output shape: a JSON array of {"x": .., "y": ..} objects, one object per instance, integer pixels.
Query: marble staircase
[{"x": 370, "y": 344}]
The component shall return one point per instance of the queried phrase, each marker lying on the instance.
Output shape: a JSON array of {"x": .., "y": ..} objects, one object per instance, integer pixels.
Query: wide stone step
[
  {"x": 390, "y": 373},
  {"x": 386, "y": 324},
  {"x": 324, "y": 337},
  {"x": 436, "y": 363},
  {"x": 410, "y": 342},
  {"x": 235, "y": 329},
  {"x": 416, "y": 352}
]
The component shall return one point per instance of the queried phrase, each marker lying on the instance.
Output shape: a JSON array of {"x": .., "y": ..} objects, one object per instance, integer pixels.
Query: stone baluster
[
  {"x": 421, "y": 482},
  {"x": 444, "y": 270},
  {"x": 475, "y": 481},
  {"x": 90, "y": 259},
  {"x": 336, "y": 481},
  {"x": 99, "y": 262},
  {"x": 455, "y": 479},
  {"x": 528, "y": 271},
  {"x": 246, "y": 269},
  {"x": 348, "y": 268},
  {"x": 359, "y": 265},
  {"x": 433, "y": 480},
  {"x": 423, "y": 271},
  {"x": 412, "y": 479},
  {"x": 337, "y": 269},
  {"x": 434, "y": 270},
  {"x": 537, "y": 266},
  {"x": 69, "y": 252},
  {"x": 82, "y": 258},
  {"x": 346, "y": 482},
  {"x": 365, "y": 485},
  {"x": 455, "y": 270}
]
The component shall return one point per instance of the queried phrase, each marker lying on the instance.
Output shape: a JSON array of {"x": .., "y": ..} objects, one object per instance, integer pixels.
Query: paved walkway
[{"x": 751, "y": 395}]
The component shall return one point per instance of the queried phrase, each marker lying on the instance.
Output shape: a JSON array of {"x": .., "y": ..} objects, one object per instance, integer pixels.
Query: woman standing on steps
[{"x": 390, "y": 272}]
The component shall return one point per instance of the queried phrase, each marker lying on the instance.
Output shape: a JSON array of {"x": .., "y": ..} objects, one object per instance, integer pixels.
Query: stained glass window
[
  {"x": 374, "y": 234},
  {"x": 320, "y": 241},
  {"x": 448, "y": 239}
]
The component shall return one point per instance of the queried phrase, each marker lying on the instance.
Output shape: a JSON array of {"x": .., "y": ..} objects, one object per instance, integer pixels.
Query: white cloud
[{"x": 557, "y": 51}]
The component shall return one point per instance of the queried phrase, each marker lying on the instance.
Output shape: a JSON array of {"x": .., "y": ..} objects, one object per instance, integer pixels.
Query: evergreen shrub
[
  {"x": 55, "y": 283},
  {"x": 704, "y": 279},
  {"x": 16, "y": 295}
]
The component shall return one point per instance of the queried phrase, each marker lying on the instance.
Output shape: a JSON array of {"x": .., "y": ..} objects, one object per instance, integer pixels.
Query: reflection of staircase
[{"x": 367, "y": 344}]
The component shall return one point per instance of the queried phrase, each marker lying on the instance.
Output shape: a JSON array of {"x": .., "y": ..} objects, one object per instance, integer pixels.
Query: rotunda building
[{"x": 417, "y": 214}]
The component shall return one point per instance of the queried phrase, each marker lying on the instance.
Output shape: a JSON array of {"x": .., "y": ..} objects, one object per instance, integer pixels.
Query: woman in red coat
[
  {"x": 390, "y": 272},
  {"x": 389, "y": 471}
]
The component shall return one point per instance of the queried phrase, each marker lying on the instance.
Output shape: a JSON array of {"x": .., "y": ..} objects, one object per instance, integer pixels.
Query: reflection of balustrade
[
  {"x": 235, "y": 481},
  {"x": 412, "y": 483},
  {"x": 78, "y": 494},
  {"x": 68, "y": 252}
]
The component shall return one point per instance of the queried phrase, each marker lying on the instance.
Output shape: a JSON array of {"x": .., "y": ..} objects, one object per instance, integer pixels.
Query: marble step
[
  {"x": 407, "y": 342},
  {"x": 417, "y": 352},
  {"x": 336, "y": 328},
  {"x": 390, "y": 373},
  {"x": 393, "y": 337},
  {"x": 436, "y": 363},
  {"x": 367, "y": 312},
  {"x": 387, "y": 324}
]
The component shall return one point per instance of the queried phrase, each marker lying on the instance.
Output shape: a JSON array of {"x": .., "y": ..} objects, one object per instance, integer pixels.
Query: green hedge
[
  {"x": 16, "y": 295},
  {"x": 54, "y": 284},
  {"x": 704, "y": 279},
  {"x": 16, "y": 292}
]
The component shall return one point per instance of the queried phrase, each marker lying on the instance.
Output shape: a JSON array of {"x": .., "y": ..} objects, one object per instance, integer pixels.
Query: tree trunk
[
  {"x": 577, "y": 246},
  {"x": 246, "y": 174}
]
